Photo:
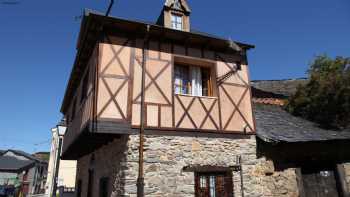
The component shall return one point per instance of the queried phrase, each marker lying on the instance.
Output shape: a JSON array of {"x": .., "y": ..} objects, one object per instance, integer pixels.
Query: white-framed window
[{"x": 176, "y": 22}]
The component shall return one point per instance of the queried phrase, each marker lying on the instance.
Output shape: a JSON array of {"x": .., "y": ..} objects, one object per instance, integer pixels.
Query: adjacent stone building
[{"x": 305, "y": 160}]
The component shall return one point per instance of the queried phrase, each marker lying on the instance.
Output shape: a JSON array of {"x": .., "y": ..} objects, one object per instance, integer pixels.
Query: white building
[{"x": 66, "y": 169}]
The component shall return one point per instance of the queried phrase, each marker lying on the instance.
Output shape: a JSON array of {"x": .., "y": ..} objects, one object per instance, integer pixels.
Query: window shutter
[
  {"x": 220, "y": 189},
  {"x": 228, "y": 184}
]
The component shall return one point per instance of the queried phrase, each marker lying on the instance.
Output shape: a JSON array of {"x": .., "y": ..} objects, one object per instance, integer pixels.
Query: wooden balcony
[
  {"x": 82, "y": 123},
  {"x": 85, "y": 133}
]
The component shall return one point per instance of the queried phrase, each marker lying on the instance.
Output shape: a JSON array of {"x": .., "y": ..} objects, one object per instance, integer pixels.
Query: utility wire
[{"x": 110, "y": 7}]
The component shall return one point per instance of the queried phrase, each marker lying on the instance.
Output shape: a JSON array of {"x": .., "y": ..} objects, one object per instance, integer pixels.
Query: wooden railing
[{"x": 82, "y": 117}]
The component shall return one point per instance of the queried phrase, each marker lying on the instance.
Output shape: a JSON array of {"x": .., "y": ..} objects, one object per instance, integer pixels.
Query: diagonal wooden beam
[
  {"x": 186, "y": 112},
  {"x": 208, "y": 115},
  {"x": 236, "y": 107},
  {"x": 112, "y": 99},
  {"x": 228, "y": 66},
  {"x": 116, "y": 56},
  {"x": 232, "y": 70},
  {"x": 154, "y": 81}
]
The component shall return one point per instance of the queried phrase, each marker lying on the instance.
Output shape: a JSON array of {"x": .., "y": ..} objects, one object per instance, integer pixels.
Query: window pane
[
  {"x": 203, "y": 182},
  {"x": 181, "y": 81},
  {"x": 212, "y": 186},
  {"x": 196, "y": 81},
  {"x": 178, "y": 19},
  {"x": 176, "y": 22}
]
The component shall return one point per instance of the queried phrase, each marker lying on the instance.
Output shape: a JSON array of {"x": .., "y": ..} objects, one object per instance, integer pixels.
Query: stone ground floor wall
[
  {"x": 166, "y": 156},
  {"x": 346, "y": 167}
]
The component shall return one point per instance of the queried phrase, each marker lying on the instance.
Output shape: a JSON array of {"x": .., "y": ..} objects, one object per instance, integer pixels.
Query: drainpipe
[
  {"x": 140, "y": 179},
  {"x": 241, "y": 174}
]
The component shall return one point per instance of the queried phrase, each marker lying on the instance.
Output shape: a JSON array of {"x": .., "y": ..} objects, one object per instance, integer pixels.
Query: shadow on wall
[
  {"x": 120, "y": 163},
  {"x": 294, "y": 155}
]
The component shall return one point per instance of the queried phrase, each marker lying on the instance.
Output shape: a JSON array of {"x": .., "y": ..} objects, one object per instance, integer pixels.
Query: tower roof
[{"x": 178, "y": 4}]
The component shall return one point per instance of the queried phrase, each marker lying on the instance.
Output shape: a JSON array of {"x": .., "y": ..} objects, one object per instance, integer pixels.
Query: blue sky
[{"x": 38, "y": 39}]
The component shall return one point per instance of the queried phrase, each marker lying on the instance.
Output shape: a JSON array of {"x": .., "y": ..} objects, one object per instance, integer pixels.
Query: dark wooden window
[
  {"x": 103, "y": 189},
  {"x": 90, "y": 183},
  {"x": 214, "y": 184},
  {"x": 84, "y": 89},
  {"x": 79, "y": 188},
  {"x": 193, "y": 80}
]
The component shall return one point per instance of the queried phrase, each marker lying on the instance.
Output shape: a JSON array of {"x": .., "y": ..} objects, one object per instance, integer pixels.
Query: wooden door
[{"x": 320, "y": 183}]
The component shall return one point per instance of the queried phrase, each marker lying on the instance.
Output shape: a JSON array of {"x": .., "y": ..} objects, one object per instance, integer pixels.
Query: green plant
[{"x": 325, "y": 99}]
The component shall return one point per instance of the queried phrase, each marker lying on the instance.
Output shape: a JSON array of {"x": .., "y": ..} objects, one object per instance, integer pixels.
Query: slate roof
[
  {"x": 274, "y": 124},
  {"x": 42, "y": 156},
  {"x": 24, "y": 154},
  {"x": 284, "y": 87},
  {"x": 12, "y": 164},
  {"x": 184, "y": 4}
]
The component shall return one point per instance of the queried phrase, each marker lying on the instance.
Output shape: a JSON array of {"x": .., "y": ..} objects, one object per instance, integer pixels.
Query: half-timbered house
[{"x": 159, "y": 109}]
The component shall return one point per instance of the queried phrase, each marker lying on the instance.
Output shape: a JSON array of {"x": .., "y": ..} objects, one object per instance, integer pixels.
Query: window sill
[{"x": 189, "y": 95}]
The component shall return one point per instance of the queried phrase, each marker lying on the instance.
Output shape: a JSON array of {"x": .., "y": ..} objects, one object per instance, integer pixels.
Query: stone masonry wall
[
  {"x": 165, "y": 157},
  {"x": 347, "y": 174}
]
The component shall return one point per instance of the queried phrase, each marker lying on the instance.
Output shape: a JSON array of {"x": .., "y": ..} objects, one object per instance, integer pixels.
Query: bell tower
[{"x": 175, "y": 15}]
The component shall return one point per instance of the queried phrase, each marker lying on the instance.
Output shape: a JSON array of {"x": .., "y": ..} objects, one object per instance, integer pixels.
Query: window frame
[
  {"x": 177, "y": 16},
  {"x": 196, "y": 62},
  {"x": 226, "y": 188}
]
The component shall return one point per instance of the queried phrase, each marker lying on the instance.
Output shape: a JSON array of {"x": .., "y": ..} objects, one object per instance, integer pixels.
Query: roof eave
[{"x": 82, "y": 35}]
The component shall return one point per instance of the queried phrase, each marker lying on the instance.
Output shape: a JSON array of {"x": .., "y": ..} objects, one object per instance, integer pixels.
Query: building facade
[
  {"x": 66, "y": 168},
  {"x": 189, "y": 91},
  {"x": 21, "y": 173},
  {"x": 166, "y": 106}
]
